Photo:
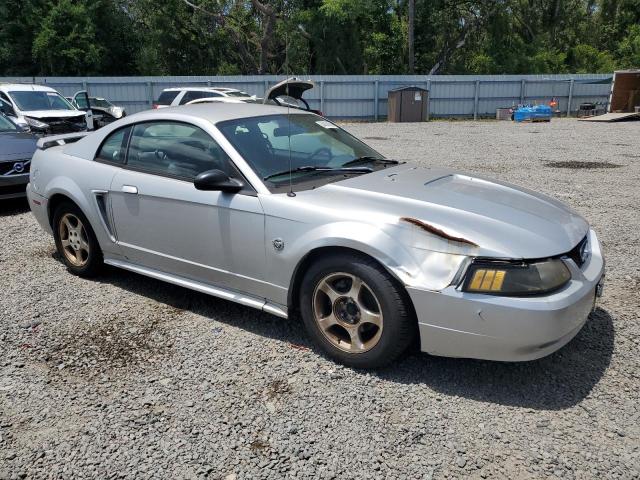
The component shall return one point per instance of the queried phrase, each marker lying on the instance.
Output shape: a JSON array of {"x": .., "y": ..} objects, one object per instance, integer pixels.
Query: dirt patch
[
  {"x": 46, "y": 252},
  {"x": 277, "y": 388},
  {"x": 259, "y": 446},
  {"x": 574, "y": 164},
  {"x": 112, "y": 342}
]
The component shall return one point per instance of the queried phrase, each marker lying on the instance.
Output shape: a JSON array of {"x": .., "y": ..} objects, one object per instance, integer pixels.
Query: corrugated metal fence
[{"x": 362, "y": 96}]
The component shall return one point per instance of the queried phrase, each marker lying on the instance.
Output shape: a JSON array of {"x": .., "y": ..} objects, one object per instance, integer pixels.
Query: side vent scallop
[{"x": 101, "y": 201}]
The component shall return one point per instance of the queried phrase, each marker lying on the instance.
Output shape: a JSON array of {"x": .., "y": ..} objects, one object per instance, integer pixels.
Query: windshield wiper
[
  {"x": 369, "y": 159},
  {"x": 311, "y": 168}
]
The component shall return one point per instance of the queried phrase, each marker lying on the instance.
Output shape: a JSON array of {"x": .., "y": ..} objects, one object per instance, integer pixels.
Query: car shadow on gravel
[
  {"x": 224, "y": 311},
  {"x": 556, "y": 382},
  {"x": 13, "y": 206}
]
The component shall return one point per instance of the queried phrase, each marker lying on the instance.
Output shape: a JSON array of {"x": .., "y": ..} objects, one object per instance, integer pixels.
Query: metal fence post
[
  {"x": 266, "y": 87},
  {"x": 322, "y": 97},
  {"x": 571, "y": 82},
  {"x": 150, "y": 93},
  {"x": 84, "y": 86},
  {"x": 376, "y": 94},
  {"x": 522, "y": 90},
  {"x": 475, "y": 100},
  {"x": 428, "y": 99}
]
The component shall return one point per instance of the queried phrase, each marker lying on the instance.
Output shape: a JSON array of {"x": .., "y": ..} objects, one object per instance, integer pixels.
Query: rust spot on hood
[{"x": 436, "y": 231}]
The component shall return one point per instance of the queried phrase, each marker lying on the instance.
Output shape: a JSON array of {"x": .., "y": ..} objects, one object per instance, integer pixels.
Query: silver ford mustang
[{"x": 286, "y": 212}]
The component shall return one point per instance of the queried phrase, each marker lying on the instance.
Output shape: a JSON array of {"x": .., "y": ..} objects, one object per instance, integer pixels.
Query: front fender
[{"x": 413, "y": 267}]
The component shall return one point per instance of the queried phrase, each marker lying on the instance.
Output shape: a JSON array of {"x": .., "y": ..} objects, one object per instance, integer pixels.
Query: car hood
[
  {"x": 61, "y": 114},
  {"x": 16, "y": 146},
  {"x": 443, "y": 210}
]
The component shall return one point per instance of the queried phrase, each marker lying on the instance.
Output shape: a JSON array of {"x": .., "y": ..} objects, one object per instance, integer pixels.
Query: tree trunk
[
  {"x": 268, "y": 26},
  {"x": 412, "y": 16}
]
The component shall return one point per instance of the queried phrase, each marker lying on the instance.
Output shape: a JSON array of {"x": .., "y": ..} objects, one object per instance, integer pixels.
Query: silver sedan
[{"x": 286, "y": 212}]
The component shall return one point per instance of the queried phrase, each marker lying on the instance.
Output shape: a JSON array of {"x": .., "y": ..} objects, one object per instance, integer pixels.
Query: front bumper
[
  {"x": 13, "y": 186},
  {"x": 459, "y": 324}
]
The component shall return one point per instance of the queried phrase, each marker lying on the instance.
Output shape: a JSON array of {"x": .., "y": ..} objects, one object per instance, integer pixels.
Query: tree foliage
[{"x": 200, "y": 37}]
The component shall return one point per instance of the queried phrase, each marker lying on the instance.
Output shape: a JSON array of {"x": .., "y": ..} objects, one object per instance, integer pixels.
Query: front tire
[
  {"x": 76, "y": 242},
  {"x": 356, "y": 312}
]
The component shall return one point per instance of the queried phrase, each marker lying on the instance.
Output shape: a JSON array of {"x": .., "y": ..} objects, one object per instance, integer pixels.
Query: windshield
[
  {"x": 99, "y": 102},
  {"x": 29, "y": 100},
  {"x": 315, "y": 142},
  {"x": 237, "y": 94},
  {"x": 7, "y": 125}
]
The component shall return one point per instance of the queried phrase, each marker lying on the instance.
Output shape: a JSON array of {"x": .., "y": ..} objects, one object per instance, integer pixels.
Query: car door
[
  {"x": 163, "y": 222},
  {"x": 81, "y": 101}
]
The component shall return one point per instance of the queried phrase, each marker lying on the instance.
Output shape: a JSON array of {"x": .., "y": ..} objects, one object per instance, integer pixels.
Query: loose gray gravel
[{"x": 126, "y": 377}]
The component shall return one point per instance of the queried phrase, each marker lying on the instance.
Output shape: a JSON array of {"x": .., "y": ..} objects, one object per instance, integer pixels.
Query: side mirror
[{"x": 217, "y": 180}]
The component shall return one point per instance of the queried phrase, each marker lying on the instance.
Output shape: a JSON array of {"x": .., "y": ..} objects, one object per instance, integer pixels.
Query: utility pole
[{"x": 412, "y": 17}]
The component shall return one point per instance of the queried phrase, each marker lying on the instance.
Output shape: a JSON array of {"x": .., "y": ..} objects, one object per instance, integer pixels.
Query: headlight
[
  {"x": 32, "y": 122},
  {"x": 499, "y": 278}
]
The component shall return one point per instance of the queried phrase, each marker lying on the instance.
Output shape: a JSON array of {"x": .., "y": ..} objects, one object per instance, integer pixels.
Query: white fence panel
[{"x": 361, "y": 96}]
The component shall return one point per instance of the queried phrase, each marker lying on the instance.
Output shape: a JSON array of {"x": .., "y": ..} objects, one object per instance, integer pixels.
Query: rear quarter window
[
  {"x": 166, "y": 98},
  {"x": 114, "y": 147}
]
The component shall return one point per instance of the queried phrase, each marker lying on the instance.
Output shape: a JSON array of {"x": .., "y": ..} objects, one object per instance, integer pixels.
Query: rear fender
[{"x": 47, "y": 180}]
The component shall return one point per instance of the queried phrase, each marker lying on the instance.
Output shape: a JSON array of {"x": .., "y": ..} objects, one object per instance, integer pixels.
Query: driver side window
[
  {"x": 81, "y": 102},
  {"x": 174, "y": 149}
]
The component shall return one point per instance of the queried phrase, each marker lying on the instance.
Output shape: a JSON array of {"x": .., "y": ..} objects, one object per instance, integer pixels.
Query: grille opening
[
  {"x": 10, "y": 168},
  {"x": 577, "y": 253}
]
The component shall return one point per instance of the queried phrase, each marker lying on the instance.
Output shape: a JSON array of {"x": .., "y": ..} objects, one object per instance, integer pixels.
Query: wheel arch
[
  {"x": 60, "y": 197},
  {"x": 315, "y": 254},
  {"x": 55, "y": 201}
]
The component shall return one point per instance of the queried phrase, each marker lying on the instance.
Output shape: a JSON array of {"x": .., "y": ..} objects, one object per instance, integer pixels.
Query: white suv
[
  {"x": 171, "y": 97},
  {"x": 42, "y": 109}
]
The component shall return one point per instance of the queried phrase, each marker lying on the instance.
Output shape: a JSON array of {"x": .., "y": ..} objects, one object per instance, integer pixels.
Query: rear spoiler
[{"x": 55, "y": 140}]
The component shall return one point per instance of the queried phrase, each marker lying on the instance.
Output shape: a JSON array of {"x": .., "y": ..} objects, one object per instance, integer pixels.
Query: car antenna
[{"x": 291, "y": 193}]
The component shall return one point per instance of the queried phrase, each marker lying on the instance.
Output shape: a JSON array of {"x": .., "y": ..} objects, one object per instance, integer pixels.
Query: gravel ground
[{"x": 126, "y": 377}]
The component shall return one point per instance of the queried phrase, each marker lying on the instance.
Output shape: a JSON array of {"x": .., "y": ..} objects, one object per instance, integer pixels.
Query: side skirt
[{"x": 241, "y": 298}]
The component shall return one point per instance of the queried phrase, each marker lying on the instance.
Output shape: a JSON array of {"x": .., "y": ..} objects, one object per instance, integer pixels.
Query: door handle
[{"x": 130, "y": 189}]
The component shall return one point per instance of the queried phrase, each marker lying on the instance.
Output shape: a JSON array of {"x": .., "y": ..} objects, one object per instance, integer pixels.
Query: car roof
[
  {"x": 207, "y": 112},
  {"x": 216, "y": 112},
  {"x": 25, "y": 87}
]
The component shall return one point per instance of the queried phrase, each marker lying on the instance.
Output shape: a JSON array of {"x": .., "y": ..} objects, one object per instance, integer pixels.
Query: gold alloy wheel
[
  {"x": 347, "y": 312},
  {"x": 74, "y": 241}
]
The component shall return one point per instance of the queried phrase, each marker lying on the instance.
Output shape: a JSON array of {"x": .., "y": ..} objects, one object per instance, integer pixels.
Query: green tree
[
  {"x": 195, "y": 37},
  {"x": 629, "y": 49},
  {"x": 66, "y": 41}
]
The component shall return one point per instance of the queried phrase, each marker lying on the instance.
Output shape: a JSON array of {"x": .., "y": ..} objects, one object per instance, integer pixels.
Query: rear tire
[
  {"x": 356, "y": 312},
  {"x": 76, "y": 242}
]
